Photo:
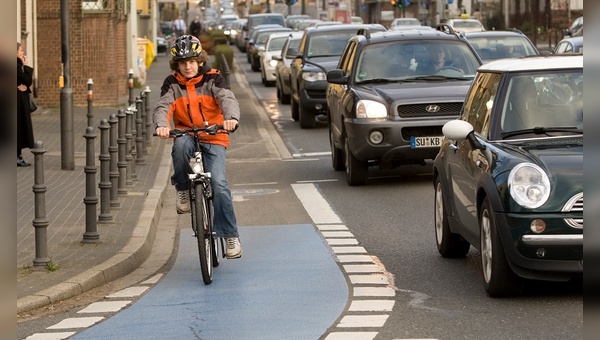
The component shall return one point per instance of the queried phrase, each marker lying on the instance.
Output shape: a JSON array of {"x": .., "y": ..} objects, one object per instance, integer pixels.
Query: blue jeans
[{"x": 214, "y": 162}]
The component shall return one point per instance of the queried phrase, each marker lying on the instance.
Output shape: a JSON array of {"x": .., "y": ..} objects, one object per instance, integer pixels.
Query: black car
[
  {"x": 387, "y": 101},
  {"x": 319, "y": 51},
  {"x": 493, "y": 45},
  {"x": 509, "y": 175}
]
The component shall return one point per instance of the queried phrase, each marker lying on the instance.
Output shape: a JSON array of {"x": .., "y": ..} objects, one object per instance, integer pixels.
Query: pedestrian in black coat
[
  {"x": 196, "y": 27},
  {"x": 24, "y": 124}
]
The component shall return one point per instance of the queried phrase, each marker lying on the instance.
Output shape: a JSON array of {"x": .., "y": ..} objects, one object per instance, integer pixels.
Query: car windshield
[
  {"x": 261, "y": 20},
  {"x": 467, "y": 24},
  {"x": 327, "y": 45},
  {"x": 405, "y": 22},
  {"x": 492, "y": 48},
  {"x": 415, "y": 60},
  {"x": 553, "y": 100},
  {"x": 277, "y": 43}
]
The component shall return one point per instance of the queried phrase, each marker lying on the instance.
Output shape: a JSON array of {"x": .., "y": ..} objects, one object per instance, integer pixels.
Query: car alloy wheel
[{"x": 449, "y": 244}]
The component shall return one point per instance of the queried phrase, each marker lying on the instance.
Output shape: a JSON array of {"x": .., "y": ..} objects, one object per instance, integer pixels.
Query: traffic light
[{"x": 396, "y": 3}]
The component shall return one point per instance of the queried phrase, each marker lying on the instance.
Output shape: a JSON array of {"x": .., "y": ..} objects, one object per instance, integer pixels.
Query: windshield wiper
[
  {"x": 539, "y": 130},
  {"x": 435, "y": 77},
  {"x": 378, "y": 81}
]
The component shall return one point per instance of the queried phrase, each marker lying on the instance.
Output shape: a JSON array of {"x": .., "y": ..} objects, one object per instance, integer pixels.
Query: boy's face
[{"x": 188, "y": 68}]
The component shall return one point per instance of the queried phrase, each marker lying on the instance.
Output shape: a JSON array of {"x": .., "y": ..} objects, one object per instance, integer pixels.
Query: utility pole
[{"x": 67, "y": 146}]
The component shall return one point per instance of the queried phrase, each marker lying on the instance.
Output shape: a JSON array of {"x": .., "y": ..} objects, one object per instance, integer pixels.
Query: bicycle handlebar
[{"x": 210, "y": 130}]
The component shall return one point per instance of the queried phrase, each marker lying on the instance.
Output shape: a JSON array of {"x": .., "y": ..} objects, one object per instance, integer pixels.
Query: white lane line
[
  {"x": 105, "y": 307},
  {"x": 312, "y": 154},
  {"x": 369, "y": 279},
  {"x": 374, "y": 291},
  {"x": 76, "y": 322},
  {"x": 330, "y": 227},
  {"x": 362, "y": 268},
  {"x": 349, "y": 250},
  {"x": 129, "y": 292},
  {"x": 341, "y": 241},
  {"x": 49, "y": 336},
  {"x": 351, "y": 336},
  {"x": 314, "y": 203},
  {"x": 355, "y": 258},
  {"x": 371, "y": 306},
  {"x": 336, "y": 234},
  {"x": 360, "y": 321},
  {"x": 152, "y": 280}
]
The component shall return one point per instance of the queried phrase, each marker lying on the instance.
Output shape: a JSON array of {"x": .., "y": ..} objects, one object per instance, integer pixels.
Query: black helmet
[{"x": 186, "y": 46}]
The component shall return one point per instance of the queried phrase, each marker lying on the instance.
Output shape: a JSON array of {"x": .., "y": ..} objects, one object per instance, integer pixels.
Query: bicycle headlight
[
  {"x": 314, "y": 76},
  {"x": 196, "y": 166},
  {"x": 529, "y": 185},
  {"x": 370, "y": 109}
]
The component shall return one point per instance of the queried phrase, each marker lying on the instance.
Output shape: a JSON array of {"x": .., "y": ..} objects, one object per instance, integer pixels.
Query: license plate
[{"x": 426, "y": 142}]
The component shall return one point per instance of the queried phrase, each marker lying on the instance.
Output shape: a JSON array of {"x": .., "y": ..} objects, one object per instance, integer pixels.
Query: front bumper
[{"x": 313, "y": 96}]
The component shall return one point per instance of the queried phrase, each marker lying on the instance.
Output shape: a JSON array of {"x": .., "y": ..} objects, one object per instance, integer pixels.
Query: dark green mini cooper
[{"x": 509, "y": 175}]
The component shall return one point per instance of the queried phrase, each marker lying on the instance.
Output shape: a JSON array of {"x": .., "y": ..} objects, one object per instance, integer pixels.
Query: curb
[{"x": 129, "y": 258}]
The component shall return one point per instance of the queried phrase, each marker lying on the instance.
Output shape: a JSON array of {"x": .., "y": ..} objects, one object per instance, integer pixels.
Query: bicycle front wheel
[{"x": 203, "y": 230}]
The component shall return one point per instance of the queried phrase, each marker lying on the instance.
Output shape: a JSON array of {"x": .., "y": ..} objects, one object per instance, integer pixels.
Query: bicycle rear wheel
[{"x": 203, "y": 229}]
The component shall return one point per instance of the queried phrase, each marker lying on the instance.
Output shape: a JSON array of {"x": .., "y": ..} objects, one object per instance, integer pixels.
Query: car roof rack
[{"x": 364, "y": 31}]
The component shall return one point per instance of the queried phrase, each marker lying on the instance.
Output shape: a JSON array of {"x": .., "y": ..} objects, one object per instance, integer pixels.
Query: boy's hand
[
  {"x": 230, "y": 125},
  {"x": 162, "y": 132}
]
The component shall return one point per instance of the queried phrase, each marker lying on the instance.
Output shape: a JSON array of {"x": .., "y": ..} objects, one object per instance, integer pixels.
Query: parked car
[
  {"x": 465, "y": 25},
  {"x": 161, "y": 45},
  {"x": 240, "y": 40},
  {"x": 493, "y": 45},
  {"x": 282, "y": 70},
  {"x": 268, "y": 58},
  {"x": 319, "y": 52},
  {"x": 576, "y": 28},
  {"x": 509, "y": 175},
  {"x": 256, "y": 46},
  {"x": 405, "y": 22},
  {"x": 569, "y": 45},
  {"x": 260, "y": 19},
  {"x": 387, "y": 104},
  {"x": 235, "y": 30}
]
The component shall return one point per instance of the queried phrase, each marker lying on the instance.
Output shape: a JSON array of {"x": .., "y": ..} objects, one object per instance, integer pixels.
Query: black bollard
[
  {"x": 139, "y": 139},
  {"x": 149, "y": 124},
  {"x": 40, "y": 222},
  {"x": 143, "y": 128},
  {"x": 91, "y": 200},
  {"x": 105, "y": 184},
  {"x": 90, "y": 100},
  {"x": 122, "y": 162},
  {"x": 128, "y": 155},
  {"x": 130, "y": 87},
  {"x": 113, "y": 150}
]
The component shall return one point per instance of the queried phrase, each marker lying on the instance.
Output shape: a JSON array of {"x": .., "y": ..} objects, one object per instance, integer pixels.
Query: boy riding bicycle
[{"x": 195, "y": 94}]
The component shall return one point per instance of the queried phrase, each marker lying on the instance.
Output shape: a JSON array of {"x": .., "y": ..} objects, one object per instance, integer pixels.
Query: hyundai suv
[{"x": 390, "y": 95}]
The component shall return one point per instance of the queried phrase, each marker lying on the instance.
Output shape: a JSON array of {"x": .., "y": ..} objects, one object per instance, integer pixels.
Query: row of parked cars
[{"x": 503, "y": 126}]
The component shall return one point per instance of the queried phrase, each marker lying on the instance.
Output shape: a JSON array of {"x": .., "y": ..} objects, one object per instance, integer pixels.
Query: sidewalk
[{"x": 124, "y": 244}]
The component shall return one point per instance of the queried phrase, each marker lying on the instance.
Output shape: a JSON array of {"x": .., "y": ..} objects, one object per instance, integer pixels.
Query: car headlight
[
  {"x": 370, "y": 109},
  {"x": 313, "y": 76},
  {"x": 529, "y": 185},
  {"x": 273, "y": 62}
]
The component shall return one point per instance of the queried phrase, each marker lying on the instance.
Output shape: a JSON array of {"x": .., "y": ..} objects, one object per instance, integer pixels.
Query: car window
[
  {"x": 479, "y": 103},
  {"x": 502, "y": 47},
  {"x": 331, "y": 44},
  {"x": 276, "y": 44},
  {"x": 346, "y": 61},
  {"x": 261, "y": 20},
  {"x": 292, "y": 48},
  {"x": 551, "y": 100}
]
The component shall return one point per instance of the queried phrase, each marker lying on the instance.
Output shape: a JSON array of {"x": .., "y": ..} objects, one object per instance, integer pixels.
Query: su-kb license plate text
[{"x": 426, "y": 142}]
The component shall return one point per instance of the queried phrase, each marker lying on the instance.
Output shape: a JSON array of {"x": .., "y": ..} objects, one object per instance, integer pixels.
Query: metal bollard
[
  {"x": 225, "y": 71},
  {"x": 142, "y": 109},
  {"x": 139, "y": 138},
  {"x": 104, "y": 185},
  {"x": 40, "y": 222},
  {"x": 113, "y": 150},
  {"x": 122, "y": 163},
  {"x": 90, "y": 100},
  {"x": 130, "y": 87},
  {"x": 91, "y": 200},
  {"x": 149, "y": 118},
  {"x": 128, "y": 154}
]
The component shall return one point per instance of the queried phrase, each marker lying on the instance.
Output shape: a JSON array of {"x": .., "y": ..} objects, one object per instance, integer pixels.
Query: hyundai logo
[{"x": 432, "y": 108}]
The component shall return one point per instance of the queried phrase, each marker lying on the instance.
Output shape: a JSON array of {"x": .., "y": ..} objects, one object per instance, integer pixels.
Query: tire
[
  {"x": 295, "y": 110},
  {"x": 337, "y": 155},
  {"x": 307, "y": 119},
  {"x": 202, "y": 228},
  {"x": 449, "y": 245},
  {"x": 498, "y": 279},
  {"x": 278, "y": 92},
  {"x": 286, "y": 99},
  {"x": 255, "y": 66},
  {"x": 356, "y": 170}
]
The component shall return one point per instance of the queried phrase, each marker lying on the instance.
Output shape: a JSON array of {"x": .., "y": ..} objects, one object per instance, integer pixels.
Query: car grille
[
  {"x": 575, "y": 204},
  {"x": 316, "y": 94},
  {"x": 420, "y": 110}
]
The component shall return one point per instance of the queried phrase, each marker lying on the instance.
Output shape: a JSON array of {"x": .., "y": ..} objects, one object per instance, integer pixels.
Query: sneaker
[
  {"x": 234, "y": 248},
  {"x": 22, "y": 162},
  {"x": 183, "y": 201}
]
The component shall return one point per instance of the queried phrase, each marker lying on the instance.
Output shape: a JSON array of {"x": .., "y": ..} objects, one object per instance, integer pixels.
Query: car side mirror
[
  {"x": 337, "y": 77},
  {"x": 460, "y": 130}
]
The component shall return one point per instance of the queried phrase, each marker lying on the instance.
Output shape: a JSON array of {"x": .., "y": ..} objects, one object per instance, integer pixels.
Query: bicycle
[{"x": 210, "y": 248}]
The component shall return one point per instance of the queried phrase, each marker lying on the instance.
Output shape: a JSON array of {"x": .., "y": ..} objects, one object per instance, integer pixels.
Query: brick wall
[{"x": 97, "y": 49}]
